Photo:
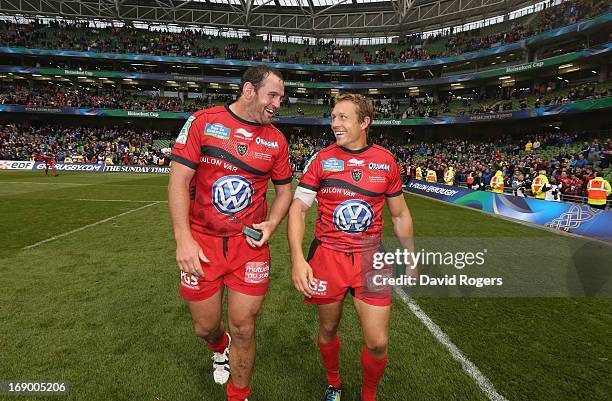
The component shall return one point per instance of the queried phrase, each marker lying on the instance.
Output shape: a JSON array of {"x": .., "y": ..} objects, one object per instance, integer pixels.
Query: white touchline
[
  {"x": 44, "y": 183},
  {"x": 76, "y": 230},
  {"x": 121, "y": 200},
  {"x": 472, "y": 370}
]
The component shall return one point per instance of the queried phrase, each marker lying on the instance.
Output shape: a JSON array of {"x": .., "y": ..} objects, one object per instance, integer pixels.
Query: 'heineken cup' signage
[{"x": 524, "y": 67}]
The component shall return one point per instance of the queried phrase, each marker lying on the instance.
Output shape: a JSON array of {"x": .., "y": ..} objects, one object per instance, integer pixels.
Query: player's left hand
[{"x": 267, "y": 229}]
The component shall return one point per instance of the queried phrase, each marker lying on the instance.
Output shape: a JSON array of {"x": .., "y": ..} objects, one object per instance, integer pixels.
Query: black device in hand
[{"x": 253, "y": 233}]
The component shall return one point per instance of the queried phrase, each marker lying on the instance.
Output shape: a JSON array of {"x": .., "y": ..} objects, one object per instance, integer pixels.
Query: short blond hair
[{"x": 363, "y": 105}]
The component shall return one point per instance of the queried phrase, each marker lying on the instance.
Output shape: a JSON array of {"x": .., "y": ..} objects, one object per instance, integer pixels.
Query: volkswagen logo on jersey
[
  {"x": 353, "y": 216},
  {"x": 232, "y": 194}
]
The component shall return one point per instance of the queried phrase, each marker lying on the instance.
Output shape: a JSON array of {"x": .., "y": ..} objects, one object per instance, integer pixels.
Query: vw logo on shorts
[
  {"x": 232, "y": 194},
  {"x": 353, "y": 216}
]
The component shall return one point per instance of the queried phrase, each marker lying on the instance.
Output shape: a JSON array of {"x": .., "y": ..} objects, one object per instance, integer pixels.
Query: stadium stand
[
  {"x": 53, "y": 96},
  {"x": 560, "y": 154},
  {"x": 568, "y": 13},
  {"x": 514, "y": 86},
  {"x": 546, "y": 94},
  {"x": 82, "y": 144},
  {"x": 81, "y": 37}
]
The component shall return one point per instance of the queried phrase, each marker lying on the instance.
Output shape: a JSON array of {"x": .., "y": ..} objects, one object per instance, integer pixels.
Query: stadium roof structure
[{"x": 309, "y": 18}]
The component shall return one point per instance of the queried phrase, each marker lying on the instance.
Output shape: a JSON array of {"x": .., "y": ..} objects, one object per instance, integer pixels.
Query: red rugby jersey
[
  {"x": 351, "y": 188},
  {"x": 233, "y": 159}
]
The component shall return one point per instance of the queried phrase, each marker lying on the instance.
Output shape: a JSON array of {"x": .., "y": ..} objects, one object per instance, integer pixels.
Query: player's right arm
[
  {"x": 301, "y": 272},
  {"x": 188, "y": 252},
  {"x": 185, "y": 158},
  {"x": 305, "y": 194}
]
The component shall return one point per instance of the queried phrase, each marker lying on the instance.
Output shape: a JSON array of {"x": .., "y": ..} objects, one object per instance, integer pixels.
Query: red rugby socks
[
  {"x": 221, "y": 345},
  {"x": 373, "y": 370},
  {"x": 237, "y": 394},
  {"x": 330, "y": 354}
]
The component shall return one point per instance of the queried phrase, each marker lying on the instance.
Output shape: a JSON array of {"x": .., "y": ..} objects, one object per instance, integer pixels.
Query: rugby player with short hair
[
  {"x": 351, "y": 181},
  {"x": 222, "y": 162}
]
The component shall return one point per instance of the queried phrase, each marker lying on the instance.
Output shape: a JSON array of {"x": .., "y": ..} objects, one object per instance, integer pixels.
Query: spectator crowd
[
  {"x": 77, "y": 96},
  {"x": 569, "y": 162},
  {"x": 114, "y": 146},
  {"x": 474, "y": 164},
  {"x": 80, "y": 36},
  {"x": 52, "y": 96},
  {"x": 570, "y": 12}
]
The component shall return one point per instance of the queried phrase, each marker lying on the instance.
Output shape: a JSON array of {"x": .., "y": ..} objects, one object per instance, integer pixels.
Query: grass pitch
[{"x": 99, "y": 308}]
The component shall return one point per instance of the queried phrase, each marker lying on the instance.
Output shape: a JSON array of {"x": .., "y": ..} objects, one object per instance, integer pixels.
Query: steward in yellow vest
[
  {"x": 598, "y": 190},
  {"x": 497, "y": 182},
  {"x": 539, "y": 185},
  {"x": 432, "y": 176},
  {"x": 449, "y": 176}
]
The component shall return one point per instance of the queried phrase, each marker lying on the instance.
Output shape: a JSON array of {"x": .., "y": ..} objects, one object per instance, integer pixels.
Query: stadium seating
[
  {"x": 52, "y": 96},
  {"x": 162, "y": 143},
  {"x": 79, "y": 36},
  {"x": 124, "y": 146},
  {"x": 475, "y": 156}
]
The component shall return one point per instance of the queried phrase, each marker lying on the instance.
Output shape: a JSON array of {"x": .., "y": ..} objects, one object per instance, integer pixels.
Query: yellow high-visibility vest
[
  {"x": 419, "y": 173},
  {"x": 537, "y": 185},
  {"x": 497, "y": 184},
  {"x": 598, "y": 190},
  {"x": 449, "y": 176}
]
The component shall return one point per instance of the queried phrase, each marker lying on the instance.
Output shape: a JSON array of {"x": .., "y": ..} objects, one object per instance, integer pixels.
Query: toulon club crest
[
  {"x": 242, "y": 149},
  {"x": 357, "y": 174}
]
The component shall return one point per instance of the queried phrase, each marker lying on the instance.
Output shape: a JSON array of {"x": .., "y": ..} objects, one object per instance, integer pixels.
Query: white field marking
[
  {"x": 79, "y": 184},
  {"x": 121, "y": 200},
  {"x": 469, "y": 368},
  {"x": 76, "y": 230},
  {"x": 44, "y": 183}
]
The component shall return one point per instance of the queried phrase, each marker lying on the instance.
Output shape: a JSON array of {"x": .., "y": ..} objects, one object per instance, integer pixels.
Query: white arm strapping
[{"x": 305, "y": 195}]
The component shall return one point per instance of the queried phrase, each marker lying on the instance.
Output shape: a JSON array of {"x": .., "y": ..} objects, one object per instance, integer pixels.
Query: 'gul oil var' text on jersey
[
  {"x": 233, "y": 159},
  {"x": 351, "y": 189}
]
